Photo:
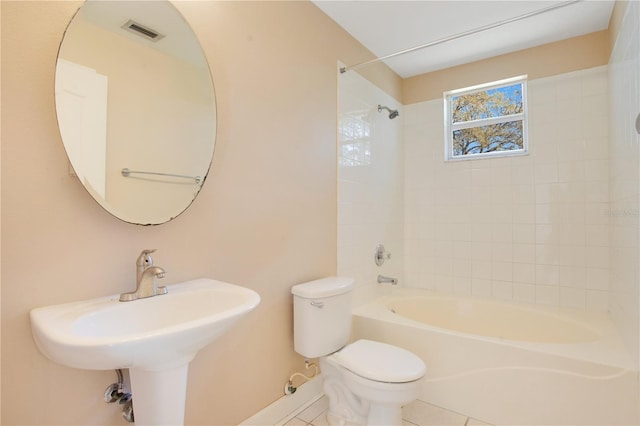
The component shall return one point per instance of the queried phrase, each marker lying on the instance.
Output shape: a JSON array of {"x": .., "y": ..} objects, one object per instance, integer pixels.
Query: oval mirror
[{"x": 136, "y": 108}]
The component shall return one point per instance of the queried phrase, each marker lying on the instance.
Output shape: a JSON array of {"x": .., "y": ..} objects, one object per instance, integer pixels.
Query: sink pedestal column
[{"x": 159, "y": 396}]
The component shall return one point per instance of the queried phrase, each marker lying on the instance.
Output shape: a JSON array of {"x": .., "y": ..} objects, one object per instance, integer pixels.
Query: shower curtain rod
[{"x": 459, "y": 35}]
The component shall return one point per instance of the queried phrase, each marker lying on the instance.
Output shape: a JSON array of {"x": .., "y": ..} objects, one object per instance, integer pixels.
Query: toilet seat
[{"x": 380, "y": 362}]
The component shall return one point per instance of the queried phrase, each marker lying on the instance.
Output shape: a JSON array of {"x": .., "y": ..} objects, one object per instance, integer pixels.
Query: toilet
[{"x": 366, "y": 382}]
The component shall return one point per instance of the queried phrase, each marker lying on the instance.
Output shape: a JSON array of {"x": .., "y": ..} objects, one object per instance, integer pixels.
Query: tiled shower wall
[
  {"x": 370, "y": 185},
  {"x": 624, "y": 87},
  {"x": 532, "y": 228}
]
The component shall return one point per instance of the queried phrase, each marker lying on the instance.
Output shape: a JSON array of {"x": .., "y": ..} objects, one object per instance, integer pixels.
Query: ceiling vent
[{"x": 142, "y": 31}]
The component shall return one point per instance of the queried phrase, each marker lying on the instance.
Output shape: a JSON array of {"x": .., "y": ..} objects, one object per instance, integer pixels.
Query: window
[{"x": 488, "y": 120}]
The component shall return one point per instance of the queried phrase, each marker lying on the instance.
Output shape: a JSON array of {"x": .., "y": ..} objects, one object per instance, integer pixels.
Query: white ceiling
[{"x": 386, "y": 27}]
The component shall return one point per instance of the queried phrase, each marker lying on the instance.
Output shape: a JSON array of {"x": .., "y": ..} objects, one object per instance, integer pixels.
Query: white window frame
[{"x": 450, "y": 127}]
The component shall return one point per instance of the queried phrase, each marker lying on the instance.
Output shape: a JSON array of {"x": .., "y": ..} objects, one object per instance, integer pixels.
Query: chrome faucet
[
  {"x": 146, "y": 279},
  {"x": 381, "y": 255},
  {"x": 383, "y": 279}
]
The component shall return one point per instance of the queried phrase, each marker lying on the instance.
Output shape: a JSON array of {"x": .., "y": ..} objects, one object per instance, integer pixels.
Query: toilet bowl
[{"x": 366, "y": 382}]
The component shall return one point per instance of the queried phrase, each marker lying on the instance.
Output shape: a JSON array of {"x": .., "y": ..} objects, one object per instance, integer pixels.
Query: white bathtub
[{"x": 507, "y": 363}]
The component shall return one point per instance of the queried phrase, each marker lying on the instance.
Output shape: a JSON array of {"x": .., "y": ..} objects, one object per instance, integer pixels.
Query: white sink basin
[
  {"x": 153, "y": 333},
  {"x": 155, "y": 338}
]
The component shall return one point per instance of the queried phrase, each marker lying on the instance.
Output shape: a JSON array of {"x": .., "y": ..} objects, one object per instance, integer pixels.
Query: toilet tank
[{"x": 322, "y": 315}]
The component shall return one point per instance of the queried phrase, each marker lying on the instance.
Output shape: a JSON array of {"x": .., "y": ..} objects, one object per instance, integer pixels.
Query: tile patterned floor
[{"x": 417, "y": 413}]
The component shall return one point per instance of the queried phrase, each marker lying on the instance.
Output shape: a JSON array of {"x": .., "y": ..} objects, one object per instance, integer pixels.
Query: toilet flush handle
[{"x": 318, "y": 305}]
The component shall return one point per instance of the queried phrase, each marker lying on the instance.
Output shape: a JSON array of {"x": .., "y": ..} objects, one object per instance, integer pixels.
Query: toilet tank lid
[{"x": 325, "y": 287}]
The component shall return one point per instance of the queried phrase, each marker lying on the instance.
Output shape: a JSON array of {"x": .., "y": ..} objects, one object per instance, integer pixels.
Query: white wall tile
[
  {"x": 547, "y": 193},
  {"x": 481, "y": 269},
  {"x": 596, "y": 170},
  {"x": 524, "y": 233},
  {"x": 596, "y": 148},
  {"x": 572, "y": 276},
  {"x": 548, "y": 254},
  {"x": 594, "y": 82},
  {"x": 572, "y": 255},
  {"x": 597, "y": 257},
  {"x": 501, "y": 232},
  {"x": 371, "y": 192},
  {"x": 526, "y": 227},
  {"x": 547, "y": 295},
  {"x": 480, "y": 232},
  {"x": 573, "y": 149},
  {"x": 597, "y": 235},
  {"x": 524, "y": 253},
  {"x": 443, "y": 283},
  {"x": 524, "y": 273},
  {"x": 547, "y": 274},
  {"x": 523, "y": 194},
  {"x": 481, "y": 287},
  {"x": 502, "y": 289},
  {"x": 546, "y": 173},
  {"x": 571, "y": 171},
  {"x": 573, "y": 297},
  {"x": 523, "y": 292},
  {"x": 462, "y": 268},
  {"x": 462, "y": 285},
  {"x": 481, "y": 250},
  {"x": 597, "y": 279},
  {"x": 598, "y": 300},
  {"x": 568, "y": 87},
  {"x": 502, "y": 271}
]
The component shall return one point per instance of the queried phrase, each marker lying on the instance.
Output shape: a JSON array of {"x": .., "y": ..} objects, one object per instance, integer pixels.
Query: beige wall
[
  {"x": 266, "y": 218},
  {"x": 590, "y": 50}
]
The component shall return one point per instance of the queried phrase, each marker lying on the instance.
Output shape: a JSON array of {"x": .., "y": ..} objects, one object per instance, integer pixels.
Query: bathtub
[{"x": 508, "y": 363}]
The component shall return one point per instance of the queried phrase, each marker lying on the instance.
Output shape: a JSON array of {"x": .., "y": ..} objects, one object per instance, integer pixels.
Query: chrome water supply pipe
[
  {"x": 120, "y": 392},
  {"x": 289, "y": 388}
]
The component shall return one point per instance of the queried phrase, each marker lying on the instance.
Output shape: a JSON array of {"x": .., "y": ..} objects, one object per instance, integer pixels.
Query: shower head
[{"x": 393, "y": 113}]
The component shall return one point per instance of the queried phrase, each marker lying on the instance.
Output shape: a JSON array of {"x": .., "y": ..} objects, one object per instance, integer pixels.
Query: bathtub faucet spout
[{"x": 383, "y": 279}]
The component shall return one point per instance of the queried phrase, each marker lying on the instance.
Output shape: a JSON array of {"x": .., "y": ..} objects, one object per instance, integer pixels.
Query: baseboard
[{"x": 285, "y": 408}]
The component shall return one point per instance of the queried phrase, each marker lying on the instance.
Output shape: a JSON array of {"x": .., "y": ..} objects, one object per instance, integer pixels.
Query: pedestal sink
[{"x": 155, "y": 338}]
